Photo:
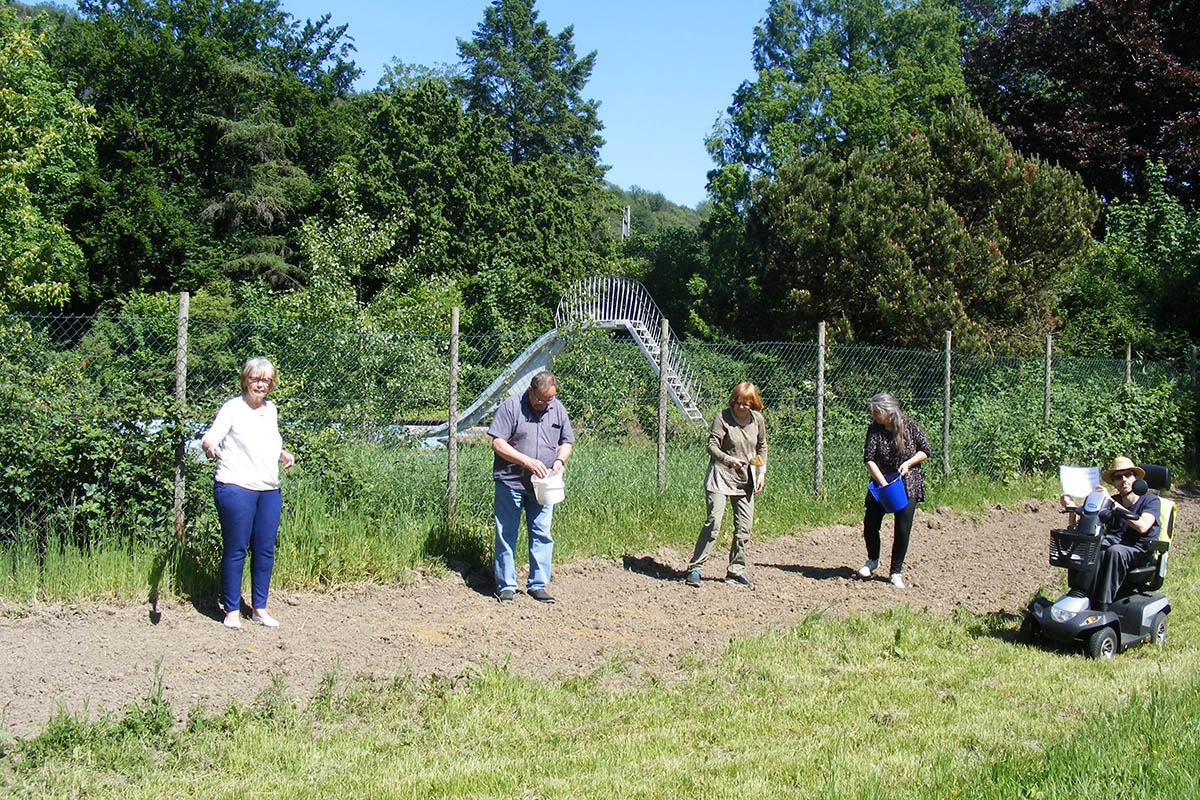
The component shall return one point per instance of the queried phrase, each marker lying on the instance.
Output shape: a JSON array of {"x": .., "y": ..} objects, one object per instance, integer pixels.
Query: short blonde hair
[
  {"x": 746, "y": 392},
  {"x": 258, "y": 368}
]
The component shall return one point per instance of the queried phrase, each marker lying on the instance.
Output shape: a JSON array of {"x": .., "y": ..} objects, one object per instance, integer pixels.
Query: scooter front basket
[{"x": 1073, "y": 550}]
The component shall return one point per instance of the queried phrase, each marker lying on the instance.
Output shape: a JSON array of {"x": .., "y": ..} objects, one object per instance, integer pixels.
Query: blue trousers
[
  {"x": 507, "y": 512},
  {"x": 249, "y": 519}
]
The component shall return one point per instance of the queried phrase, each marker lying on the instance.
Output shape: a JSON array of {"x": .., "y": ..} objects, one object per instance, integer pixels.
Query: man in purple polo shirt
[{"x": 531, "y": 436}]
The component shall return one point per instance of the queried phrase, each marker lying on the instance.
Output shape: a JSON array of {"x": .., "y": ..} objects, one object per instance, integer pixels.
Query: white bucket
[{"x": 549, "y": 490}]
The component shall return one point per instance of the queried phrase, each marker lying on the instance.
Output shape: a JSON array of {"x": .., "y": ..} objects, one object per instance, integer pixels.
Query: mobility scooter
[{"x": 1138, "y": 613}]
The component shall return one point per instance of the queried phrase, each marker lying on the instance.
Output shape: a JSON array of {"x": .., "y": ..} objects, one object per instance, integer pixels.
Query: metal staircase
[{"x": 614, "y": 303}]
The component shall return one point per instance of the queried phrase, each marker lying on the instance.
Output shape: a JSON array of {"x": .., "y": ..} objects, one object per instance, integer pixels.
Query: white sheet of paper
[{"x": 1078, "y": 481}]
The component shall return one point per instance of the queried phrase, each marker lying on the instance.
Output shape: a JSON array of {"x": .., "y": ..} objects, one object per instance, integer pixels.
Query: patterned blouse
[{"x": 881, "y": 449}]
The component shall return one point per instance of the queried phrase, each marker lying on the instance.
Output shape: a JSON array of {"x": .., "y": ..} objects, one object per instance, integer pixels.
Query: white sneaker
[
  {"x": 233, "y": 619},
  {"x": 868, "y": 569},
  {"x": 263, "y": 618},
  {"x": 897, "y": 581}
]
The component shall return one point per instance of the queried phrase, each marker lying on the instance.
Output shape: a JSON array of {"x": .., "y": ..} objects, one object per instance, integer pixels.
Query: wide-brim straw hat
[{"x": 1120, "y": 464}]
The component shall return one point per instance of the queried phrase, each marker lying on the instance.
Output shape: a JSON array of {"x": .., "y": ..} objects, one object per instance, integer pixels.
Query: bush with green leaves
[
  {"x": 1001, "y": 435},
  {"x": 85, "y": 451}
]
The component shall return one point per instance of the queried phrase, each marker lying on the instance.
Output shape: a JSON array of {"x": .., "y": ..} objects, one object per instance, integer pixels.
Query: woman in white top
[{"x": 245, "y": 440}]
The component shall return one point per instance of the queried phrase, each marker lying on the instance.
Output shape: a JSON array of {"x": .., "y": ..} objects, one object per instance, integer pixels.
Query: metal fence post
[
  {"x": 181, "y": 338},
  {"x": 1128, "y": 362},
  {"x": 664, "y": 340},
  {"x": 946, "y": 408},
  {"x": 819, "y": 433},
  {"x": 452, "y": 425},
  {"x": 1195, "y": 400},
  {"x": 1046, "y": 392}
]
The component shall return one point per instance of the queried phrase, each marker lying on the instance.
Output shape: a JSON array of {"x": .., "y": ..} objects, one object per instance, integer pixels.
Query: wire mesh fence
[{"x": 91, "y": 427}]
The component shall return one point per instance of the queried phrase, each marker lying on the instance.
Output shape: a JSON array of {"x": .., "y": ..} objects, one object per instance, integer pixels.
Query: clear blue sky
[{"x": 665, "y": 69}]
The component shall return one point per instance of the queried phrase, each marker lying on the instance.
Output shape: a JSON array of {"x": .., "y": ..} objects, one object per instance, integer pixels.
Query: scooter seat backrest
[
  {"x": 1154, "y": 573},
  {"x": 1166, "y": 520},
  {"x": 1157, "y": 476}
]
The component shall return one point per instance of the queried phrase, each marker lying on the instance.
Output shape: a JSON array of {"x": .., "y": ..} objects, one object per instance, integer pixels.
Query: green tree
[
  {"x": 834, "y": 74},
  {"x": 46, "y": 142},
  {"x": 511, "y": 236},
  {"x": 951, "y": 230},
  {"x": 158, "y": 73},
  {"x": 340, "y": 252},
  {"x": 648, "y": 211},
  {"x": 262, "y": 186},
  {"x": 1140, "y": 284},
  {"x": 680, "y": 277},
  {"x": 400, "y": 75},
  {"x": 532, "y": 82}
]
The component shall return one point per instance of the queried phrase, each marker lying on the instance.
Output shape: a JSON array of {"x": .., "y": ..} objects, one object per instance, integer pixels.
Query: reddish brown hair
[{"x": 746, "y": 392}]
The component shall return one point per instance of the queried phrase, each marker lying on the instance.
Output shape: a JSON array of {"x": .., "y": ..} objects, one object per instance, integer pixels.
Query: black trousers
[
  {"x": 1115, "y": 561},
  {"x": 873, "y": 520}
]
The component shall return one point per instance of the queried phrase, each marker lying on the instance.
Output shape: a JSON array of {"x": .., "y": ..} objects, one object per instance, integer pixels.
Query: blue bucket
[{"x": 892, "y": 497}]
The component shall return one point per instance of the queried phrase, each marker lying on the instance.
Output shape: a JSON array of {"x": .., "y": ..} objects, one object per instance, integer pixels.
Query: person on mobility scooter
[{"x": 1115, "y": 550}]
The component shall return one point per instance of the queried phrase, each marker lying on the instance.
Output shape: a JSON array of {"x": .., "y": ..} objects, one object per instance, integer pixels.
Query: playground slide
[{"x": 515, "y": 378}]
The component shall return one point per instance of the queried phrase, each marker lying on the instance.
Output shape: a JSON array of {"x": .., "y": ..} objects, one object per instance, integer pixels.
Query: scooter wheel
[
  {"x": 1102, "y": 644},
  {"x": 1159, "y": 629},
  {"x": 1030, "y": 631}
]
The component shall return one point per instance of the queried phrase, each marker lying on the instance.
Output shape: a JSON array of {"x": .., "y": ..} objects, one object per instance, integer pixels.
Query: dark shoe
[
  {"x": 740, "y": 579},
  {"x": 693, "y": 578},
  {"x": 540, "y": 595},
  {"x": 505, "y": 595}
]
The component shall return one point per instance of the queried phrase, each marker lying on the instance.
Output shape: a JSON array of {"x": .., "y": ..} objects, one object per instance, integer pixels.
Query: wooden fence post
[
  {"x": 452, "y": 427},
  {"x": 664, "y": 341},
  {"x": 181, "y": 339},
  {"x": 946, "y": 407},
  {"x": 819, "y": 432}
]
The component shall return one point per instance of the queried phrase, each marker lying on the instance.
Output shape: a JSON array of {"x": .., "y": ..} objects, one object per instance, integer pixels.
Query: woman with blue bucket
[{"x": 893, "y": 453}]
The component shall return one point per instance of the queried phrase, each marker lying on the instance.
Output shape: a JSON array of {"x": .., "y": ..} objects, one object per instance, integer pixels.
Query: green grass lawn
[{"x": 893, "y": 704}]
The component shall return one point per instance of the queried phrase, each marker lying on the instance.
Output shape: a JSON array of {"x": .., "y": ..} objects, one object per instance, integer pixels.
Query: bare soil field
[{"x": 634, "y": 609}]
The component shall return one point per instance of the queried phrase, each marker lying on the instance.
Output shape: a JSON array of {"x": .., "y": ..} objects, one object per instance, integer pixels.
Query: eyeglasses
[
  {"x": 258, "y": 379},
  {"x": 1120, "y": 476},
  {"x": 741, "y": 403}
]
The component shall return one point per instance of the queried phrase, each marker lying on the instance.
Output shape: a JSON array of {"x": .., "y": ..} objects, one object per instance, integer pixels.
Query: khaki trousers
[{"x": 743, "y": 519}]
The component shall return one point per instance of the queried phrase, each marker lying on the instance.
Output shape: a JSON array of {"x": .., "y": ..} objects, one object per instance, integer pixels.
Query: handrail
[{"x": 612, "y": 302}]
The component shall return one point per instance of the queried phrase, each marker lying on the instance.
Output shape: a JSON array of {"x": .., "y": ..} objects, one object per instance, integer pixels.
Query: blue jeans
[
  {"x": 250, "y": 519},
  {"x": 507, "y": 512}
]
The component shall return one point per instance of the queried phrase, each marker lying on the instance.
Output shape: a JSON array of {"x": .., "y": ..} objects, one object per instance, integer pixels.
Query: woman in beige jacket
[{"x": 737, "y": 471}]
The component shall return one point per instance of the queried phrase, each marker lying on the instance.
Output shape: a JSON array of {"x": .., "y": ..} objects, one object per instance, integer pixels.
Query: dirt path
[{"x": 635, "y": 608}]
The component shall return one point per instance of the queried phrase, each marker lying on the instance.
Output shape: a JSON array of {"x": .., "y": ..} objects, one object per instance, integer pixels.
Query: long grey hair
[{"x": 888, "y": 407}]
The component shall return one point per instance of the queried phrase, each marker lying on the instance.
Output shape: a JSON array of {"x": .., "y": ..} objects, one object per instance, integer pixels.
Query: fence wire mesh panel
[
  {"x": 83, "y": 403},
  {"x": 90, "y": 424},
  {"x": 855, "y": 373},
  {"x": 367, "y": 382}
]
